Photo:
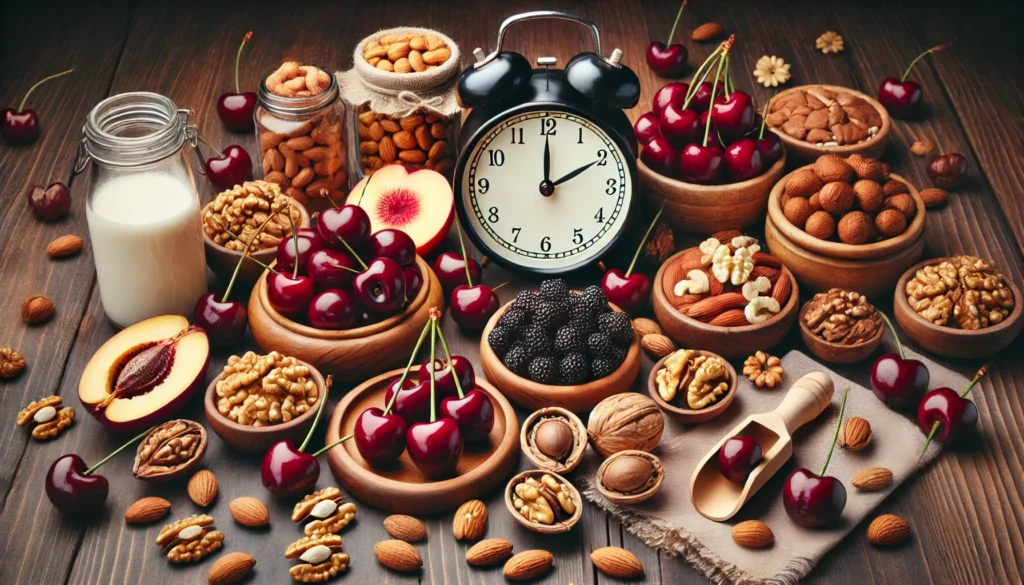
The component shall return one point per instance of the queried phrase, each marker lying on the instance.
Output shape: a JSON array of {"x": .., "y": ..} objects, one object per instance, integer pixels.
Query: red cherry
[
  {"x": 394, "y": 244},
  {"x": 289, "y": 296},
  {"x": 450, "y": 269},
  {"x": 412, "y": 402},
  {"x": 701, "y": 164},
  {"x": 332, "y": 309},
  {"x": 733, "y": 116},
  {"x": 680, "y": 126},
  {"x": 286, "y": 471},
  {"x": 646, "y": 127},
  {"x": 701, "y": 100},
  {"x": 435, "y": 447},
  {"x": 670, "y": 93},
  {"x": 381, "y": 287},
  {"x": 236, "y": 109},
  {"x": 229, "y": 168},
  {"x": 286, "y": 252},
  {"x": 813, "y": 501},
  {"x": 413, "y": 281},
  {"x": 474, "y": 414},
  {"x": 671, "y": 60},
  {"x": 331, "y": 269},
  {"x": 661, "y": 157},
  {"x": 223, "y": 321},
  {"x": 771, "y": 148},
  {"x": 349, "y": 223},
  {"x": 903, "y": 98},
  {"x": 955, "y": 416},
  {"x": 630, "y": 293},
  {"x": 50, "y": 203},
  {"x": 71, "y": 491},
  {"x": 21, "y": 126},
  {"x": 743, "y": 159},
  {"x": 738, "y": 456},
  {"x": 899, "y": 382},
  {"x": 380, "y": 438},
  {"x": 472, "y": 306},
  {"x": 445, "y": 373}
]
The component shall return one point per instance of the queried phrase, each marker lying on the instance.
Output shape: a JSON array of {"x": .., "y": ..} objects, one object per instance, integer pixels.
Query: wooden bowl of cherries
[{"x": 350, "y": 302}]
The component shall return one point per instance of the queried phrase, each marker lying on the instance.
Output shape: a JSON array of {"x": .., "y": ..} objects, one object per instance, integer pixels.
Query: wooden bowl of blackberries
[{"x": 557, "y": 347}]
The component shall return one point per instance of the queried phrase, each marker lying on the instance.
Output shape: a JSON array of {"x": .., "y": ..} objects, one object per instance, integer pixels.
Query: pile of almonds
[
  {"x": 296, "y": 81},
  {"x": 406, "y": 53},
  {"x": 417, "y": 141},
  {"x": 821, "y": 116},
  {"x": 852, "y": 200}
]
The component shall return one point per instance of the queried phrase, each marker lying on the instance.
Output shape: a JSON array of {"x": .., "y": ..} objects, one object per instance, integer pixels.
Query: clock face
[{"x": 546, "y": 223}]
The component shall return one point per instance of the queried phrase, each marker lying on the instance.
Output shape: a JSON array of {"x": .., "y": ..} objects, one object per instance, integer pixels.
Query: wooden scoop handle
[{"x": 808, "y": 397}]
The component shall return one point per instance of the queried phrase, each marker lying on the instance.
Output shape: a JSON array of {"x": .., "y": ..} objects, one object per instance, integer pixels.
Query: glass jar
[
  {"x": 143, "y": 207},
  {"x": 302, "y": 146},
  {"x": 420, "y": 140}
]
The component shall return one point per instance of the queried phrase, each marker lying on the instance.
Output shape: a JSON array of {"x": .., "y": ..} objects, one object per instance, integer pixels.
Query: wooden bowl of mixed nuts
[
  {"x": 841, "y": 326},
  {"x": 959, "y": 307},
  {"x": 692, "y": 386},
  {"x": 543, "y": 502}
]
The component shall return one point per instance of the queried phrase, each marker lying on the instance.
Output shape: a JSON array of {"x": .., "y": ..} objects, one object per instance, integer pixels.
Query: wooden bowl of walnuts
[
  {"x": 847, "y": 223},
  {"x": 983, "y": 314},
  {"x": 672, "y": 376},
  {"x": 840, "y": 326}
]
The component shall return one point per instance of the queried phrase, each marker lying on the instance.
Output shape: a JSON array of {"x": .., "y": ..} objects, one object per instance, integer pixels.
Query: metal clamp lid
[{"x": 189, "y": 133}]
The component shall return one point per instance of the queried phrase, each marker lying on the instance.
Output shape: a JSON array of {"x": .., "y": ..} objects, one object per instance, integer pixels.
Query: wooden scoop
[{"x": 719, "y": 499}]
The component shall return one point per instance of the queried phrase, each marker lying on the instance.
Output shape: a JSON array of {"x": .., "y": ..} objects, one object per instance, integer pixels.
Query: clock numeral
[
  {"x": 495, "y": 158},
  {"x": 515, "y": 234},
  {"x": 612, "y": 187},
  {"x": 492, "y": 215},
  {"x": 484, "y": 185},
  {"x": 517, "y": 138},
  {"x": 602, "y": 158},
  {"x": 547, "y": 126},
  {"x": 545, "y": 244},
  {"x": 577, "y": 236},
  {"x": 599, "y": 216},
  {"x": 580, "y": 139}
]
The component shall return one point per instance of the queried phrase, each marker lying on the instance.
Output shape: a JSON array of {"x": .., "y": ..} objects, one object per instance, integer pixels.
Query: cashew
[
  {"x": 753, "y": 288},
  {"x": 696, "y": 283},
  {"x": 761, "y": 309}
]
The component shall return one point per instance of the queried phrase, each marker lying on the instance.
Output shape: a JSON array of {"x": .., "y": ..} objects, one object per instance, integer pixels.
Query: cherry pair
[{"x": 629, "y": 291}]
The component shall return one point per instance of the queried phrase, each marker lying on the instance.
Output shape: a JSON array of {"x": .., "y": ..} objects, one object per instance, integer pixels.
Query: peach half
[
  {"x": 420, "y": 203},
  {"x": 145, "y": 373}
]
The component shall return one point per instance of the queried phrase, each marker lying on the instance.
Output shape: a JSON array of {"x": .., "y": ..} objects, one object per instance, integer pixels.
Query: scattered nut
[
  {"x": 190, "y": 539},
  {"x": 470, "y": 521},
  {"x": 305, "y": 507},
  {"x": 947, "y": 171},
  {"x": 855, "y": 434},
  {"x": 872, "y": 479},
  {"x": 555, "y": 439},
  {"x": 934, "y": 197},
  {"x": 628, "y": 477},
  {"x": 644, "y": 326},
  {"x": 752, "y": 534},
  {"x": 488, "y": 552},
  {"x": 249, "y": 511},
  {"x": 147, "y": 510},
  {"x": 764, "y": 370},
  {"x": 170, "y": 450},
  {"x": 922, "y": 147},
  {"x": 202, "y": 488},
  {"x": 706, "y": 32},
  {"x": 398, "y": 555},
  {"x": 528, "y": 565},
  {"x": 405, "y": 528},
  {"x": 36, "y": 309},
  {"x": 65, "y": 246},
  {"x": 543, "y": 499},
  {"x": 617, "y": 562},
  {"x": 231, "y": 568},
  {"x": 888, "y": 530},
  {"x": 12, "y": 363}
]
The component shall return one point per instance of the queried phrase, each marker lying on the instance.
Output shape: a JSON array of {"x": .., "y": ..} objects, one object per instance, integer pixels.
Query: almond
[
  {"x": 528, "y": 565},
  {"x": 386, "y": 149},
  {"x": 488, "y": 552},
  {"x": 730, "y": 318},
  {"x": 891, "y": 222},
  {"x": 617, "y": 562},
  {"x": 412, "y": 156},
  {"x": 706, "y": 32},
  {"x": 820, "y": 225},
  {"x": 405, "y": 528},
  {"x": 70, "y": 245},
  {"x": 752, "y": 534},
  {"x": 230, "y": 568},
  {"x": 404, "y": 140},
  {"x": 470, "y": 521},
  {"x": 147, "y": 510},
  {"x": 855, "y": 228},
  {"x": 397, "y": 555},
  {"x": 894, "y": 188},
  {"x": 803, "y": 184},
  {"x": 437, "y": 56},
  {"x": 300, "y": 143},
  {"x": 657, "y": 345},
  {"x": 932, "y": 198},
  {"x": 887, "y": 530},
  {"x": 390, "y": 125},
  {"x": 249, "y": 512},
  {"x": 202, "y": 488},
  {"x": 831, "y": 167},
  {"x": 766, "y": 259},
  {"x": 712, "y": 307},
  {"x": 423, "y": 138},
  {"x": 36, "y": 309},
  {"x": 645, "y": 326},
  {"x": 872, "y": 479},
  {"x": 782, "y": 289},
  {"x": 855, "y": 434}
]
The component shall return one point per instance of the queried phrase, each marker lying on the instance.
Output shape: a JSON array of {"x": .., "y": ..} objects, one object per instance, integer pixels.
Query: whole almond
[
  {"x": 147, "y": 510},
  {"x": 202, "y": 488},
  {"x": 70, "y": 245},
  {"x": 871, "y": 479},
  {"x": 230, "y": 568},
  {"x": 249, "y": 512},
  {"x": 617, "y": 562},
  {"x": 657, "y": 345},
  {"x": 397, "y": 555},
  {"x": 752, "y": 534},
  {"x": 36, "y": 309},
  {"x": 855, "y": 434},
  {"x": 706, "y": 31},
  {"x": 405, "y": 528},
  {"x": 887, "y": 530},
  {"x": 470, "y": 521},
  {"x": 488, "y": 552},
  {"x": 528, "y": 565},
  {"x": 645, "y": 326},
  {"x": 934, "y": 197}
]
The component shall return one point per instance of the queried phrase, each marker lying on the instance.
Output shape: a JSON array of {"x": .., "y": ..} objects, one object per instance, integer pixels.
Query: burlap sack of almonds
[{"x": 404, "y": 79}]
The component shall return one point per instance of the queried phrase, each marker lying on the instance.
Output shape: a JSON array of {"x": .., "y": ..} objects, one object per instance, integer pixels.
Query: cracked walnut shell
[
  {"x": 625, "y": 421},
  {"x": 543, "y": 502},
  {"x": 764, "y": 370},
  {"x": 170, "y": 450}
]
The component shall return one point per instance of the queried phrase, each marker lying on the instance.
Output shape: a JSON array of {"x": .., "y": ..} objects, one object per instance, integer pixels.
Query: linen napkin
[{"x": 670, "y": 522}]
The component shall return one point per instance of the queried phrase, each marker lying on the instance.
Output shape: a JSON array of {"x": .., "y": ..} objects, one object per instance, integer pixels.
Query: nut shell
[
  {"x": 554, "y": 439},
  {"x": 170, "y": 451},
  {"x": 628, "y": 477},
  {"x": 623, "y": 422},
  {"x": 556, "y": 527}
]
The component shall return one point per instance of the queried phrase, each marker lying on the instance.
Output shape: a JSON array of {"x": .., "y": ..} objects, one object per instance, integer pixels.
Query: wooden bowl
[
  {"x": 801, "y": 152},
  {"x": 539, "y": 528},
  {"x": 728, "y": 342},
  {"x": 402, "y": 488},
  {"x": 953, "y": 342},
  {"x": 837, "y": 353},
  {"x": 222, "y": 261},
  {"x": 685, "y": 414},
  {"x": 348, "y": 354},
  {"x": 533, "y": 395},
  {"x": 710, "y": 208},
  {"x": 250, "y": 439}
]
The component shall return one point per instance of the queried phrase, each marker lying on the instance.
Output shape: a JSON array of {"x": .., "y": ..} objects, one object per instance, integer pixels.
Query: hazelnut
[
  {"x": 815, "y": 201},
  {"x": 831, "y": 167},
  {"x": 820, "y": 225},
  {"x": 802, "y": 183},
  {"x": 554, "y": 438},
  {"x": 894, "y": 188},
  {"x": 891, "y": 222},
  {"x": 797, "y": 210},
  {"x": 869, "y": 195},
  {"x": 836, "y": 197},
  {"x": 855, "y": 228},
  {"x": 947, "y": 171},
  {"x": 903, "y": 203}
]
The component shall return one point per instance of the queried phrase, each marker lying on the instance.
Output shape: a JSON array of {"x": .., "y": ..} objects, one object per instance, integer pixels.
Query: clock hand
[
  {"x": 574, "y": 174},
  {"x": 547, "y": 188}
]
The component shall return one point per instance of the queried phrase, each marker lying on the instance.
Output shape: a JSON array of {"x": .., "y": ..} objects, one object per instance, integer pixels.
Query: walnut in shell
[
  {"x": 170, "y": 450},
  {"x": 554, "y": 439},
  {"x": 628, "y": 477},
  {"x": 625, "y": 421}
]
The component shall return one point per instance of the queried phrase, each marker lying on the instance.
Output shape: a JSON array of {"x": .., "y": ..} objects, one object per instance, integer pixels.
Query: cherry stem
[
  {"x": 462, "y": 246},
  {"x": 650, "y": 228},
  {"x": 238, "y": 57},
  {"x": 934, "y": 49},
  {"x": 899, "y": 346},
  {"x": 325, "y": 193},
  {"x": 433, "y": 379},
  {"x": 835, "y": 437},
  {"x": 351, "y": 251},
  {"x": 726, "y": 81},
  {"x": 21, "y": 106},
  {"x": 336, "y": 265},
  {"x": 495, "y": 289},
  {"x": 706, "y": 70},
  {"x": 319, "y": 411},
  {"x": 764, "y": 117},
  {"x": 672, "y": 33},
  {"x": 295, "y": 241},
  {"x": 931, "y": 435},
  {"x": 405, "y": 374},
  {"x": 977, "y": 376},
  {"x": 263, "y": 266},
  {"x": 448, "y": 355},
  {"x": 118, "y": 450},
  {"x": 359, "y": 202},
  {"x": 210, "y": 146},
  {"x": 332, "y": 445},
  {"x": 714, "y": 88},
  {"x": 245, "y": 254}
]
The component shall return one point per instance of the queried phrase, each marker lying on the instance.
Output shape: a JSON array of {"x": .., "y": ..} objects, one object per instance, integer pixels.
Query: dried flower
[
  {"x": 661, "y": 245},
  {"x": 829, "y": 42},
  {"x": 771, "y": 71}
]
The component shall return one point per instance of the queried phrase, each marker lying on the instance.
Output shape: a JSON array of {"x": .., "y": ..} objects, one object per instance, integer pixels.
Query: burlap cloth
[{"x": 669, "y": 521}]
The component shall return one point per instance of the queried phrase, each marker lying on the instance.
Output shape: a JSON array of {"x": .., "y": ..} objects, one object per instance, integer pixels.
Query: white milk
[{"x": 148, "y": 245}]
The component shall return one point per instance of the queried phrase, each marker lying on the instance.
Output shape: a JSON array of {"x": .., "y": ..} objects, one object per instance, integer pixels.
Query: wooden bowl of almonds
[
  {"x": 543, "y": 501},
  {"x": 692, "y": 386}
]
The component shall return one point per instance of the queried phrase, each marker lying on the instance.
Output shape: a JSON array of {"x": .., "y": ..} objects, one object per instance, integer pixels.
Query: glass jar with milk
[{"x": 143, "y": 207}]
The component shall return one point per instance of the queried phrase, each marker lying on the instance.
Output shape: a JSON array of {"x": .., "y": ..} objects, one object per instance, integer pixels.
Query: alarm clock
[{"x": 546, "y": 179}]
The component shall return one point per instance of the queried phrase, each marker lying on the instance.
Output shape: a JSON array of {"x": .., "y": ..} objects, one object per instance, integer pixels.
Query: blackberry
[
  {"x": 554, "y": 290},
  {"x": 577, "y": 306},
  {"x": 618, "y": 327},
  {"x": 569, "y": 339},
  {"x": 537, "y": 341},
  {"x": 551, "y": 316},
  {"x": 542, "y": 370},
  {"x": 501, "y": 339},
  {"x": 514, "y": 319},
  {"x": 599, "y": 345},
  {"x": 573, "y": 369},
  {"x": 602, "y": 368},
  {"x": 527, "y": 301},
  {"x": 595, "y": 300},
  {"x": 617, "y": 354},
  {"x": 584, "y": 324},
  {"x": 517, "y": 360}
]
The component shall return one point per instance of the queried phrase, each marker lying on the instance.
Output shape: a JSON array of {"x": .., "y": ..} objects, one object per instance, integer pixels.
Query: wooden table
[{"x": 966, "y": 510}]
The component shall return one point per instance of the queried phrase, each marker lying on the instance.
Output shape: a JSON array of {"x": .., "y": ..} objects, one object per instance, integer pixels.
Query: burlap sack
[{"x": 402, "y": 94}]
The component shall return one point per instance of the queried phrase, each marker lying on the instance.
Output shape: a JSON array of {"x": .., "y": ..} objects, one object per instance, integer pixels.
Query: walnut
[
  {"x": 52, "y": 428},
  {"x": 670, "y": 377},
  {"x": 544, "y": 501},
  {"x": 234, "y": 217},
  {"x": 304, "y": 508},
  {"x": 170, "y": 532},
  {"x": 297, "y": 548},
  {"x": 531, "y": 505},
  {"x": 661, "y": 245},
  {"x": 170, "y": 450},
  {"x": 842, "y": 317},
  {"x": 930, "y": 291},
  {"x": 334, "y": 523},
  {"x": 11, "y": 363},
  {"x": 710, "y": 380},
  {"x": 306, "y": 573},
  {"x": 190, "y": 539},
  {"x": 753, "y": 288},
  {"x": 733, "y": 267},
  {"x": 764, "y": 370},
  {"x": 966, "y": 287},
  {"x": 198, "y": 549},
  {"x": 264, "y": 390},
  {"x": 709, "y": 247},
  {"x": 27, "y": 414}
]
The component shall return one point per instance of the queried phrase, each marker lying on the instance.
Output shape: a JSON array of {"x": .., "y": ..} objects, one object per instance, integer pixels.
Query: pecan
[
  {"x": 842, "y": 317},
  {"x": 11, "y": 363},
  {"x": 169, "y": 448}
]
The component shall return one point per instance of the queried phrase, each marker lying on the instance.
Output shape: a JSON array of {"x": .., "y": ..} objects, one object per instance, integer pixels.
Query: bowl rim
[
  {"x": 210, "y": 404},
  {"x": 846, "y": 149},
  {"x": 304, "y": 222},
  {"x": 900, "y": 298},
  {"x": 716, "y": 409},
  {"x": 260, "y": 291},
  {"x": 806, "y": 332},
  {"x": 644, "y": 171},
  {"x": 838, "y": 249},
  {"x": 537, "y": 526}
]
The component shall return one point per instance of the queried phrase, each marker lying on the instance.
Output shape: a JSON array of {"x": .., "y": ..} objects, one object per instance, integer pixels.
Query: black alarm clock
[{"x": 546, "y": 179}]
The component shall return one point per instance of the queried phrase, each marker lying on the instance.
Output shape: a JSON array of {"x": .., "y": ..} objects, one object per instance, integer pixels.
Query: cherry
[
  {"x": 413, "y": 281},
  {"x": 743, "y": 159},
  {"x": 50, "y": 203},
  {"x": 895, "y": 380},
  {"x": 451, "y": 269},
  {"x": 412, "y": 401},
  {"x": 947, "y": 171},
  {"x": 224, "y": 321},
  {"x": 288, "y": 294},
  {"x": 903, "y": 98},
  {"x": 629, "y": 290},
  {"x": 332, "y": 309},
  {"x": 236, "y": 109},
  {"x": 738, "y": 456},
  {"x": 349, "y": 223},
  {"x": 394, "y": 244},
  {"x": 816, "y": 500},
  {"x": 646, "y": 127},
  {"x": 670, "y": 93},
  {"x": 945, "y": 415},
  {"x": 701, "y": 99},
  {"x": 701, "y": 164},
  {"x": 733, "y": 114},
  {"x": 286, "y": 253},
  {"x": 380, "y": 438},
  {"x": 330, "y": 268},
  {"x": 380, "y": 288},
  {"x": 435, "y": 447},
  {"x": 472, "y": 306},
  {"x": 680, "y": 126},
  {"x": 446, "y": 373},
  {"x": 671, "y": 60},
  {"x": 473, "y": 412},
  {"x": 21, "y": 126},
  {"x": 660, "y": 156},
  {"x": 230, "y": 167},
  {"x": 770, "y": 147},
  {"x": 312, "y": 234}
]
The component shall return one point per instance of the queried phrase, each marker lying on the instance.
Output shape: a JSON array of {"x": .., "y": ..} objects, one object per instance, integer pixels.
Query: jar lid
[{"x": 133, "y": 129}]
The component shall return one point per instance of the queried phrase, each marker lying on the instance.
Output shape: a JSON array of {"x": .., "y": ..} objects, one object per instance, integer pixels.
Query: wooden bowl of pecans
[
  {"x": 983, "y": 314},
  {"x": 812, "y": 120},
  {"x": 672, "y": 376},
  {"x": 252, "y": 423}
]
